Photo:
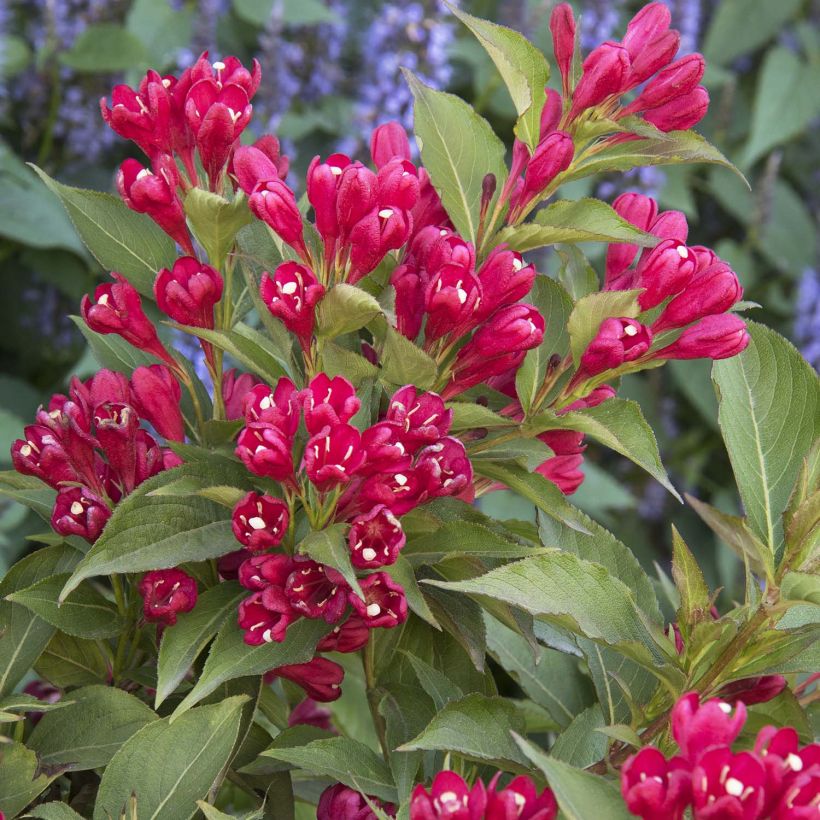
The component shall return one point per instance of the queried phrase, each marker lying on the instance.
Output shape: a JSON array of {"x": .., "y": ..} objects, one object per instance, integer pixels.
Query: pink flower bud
[
  {"x": 698, "y": 727},
  {"x": 655, "y": 788},
  {"x": 260, "y": 572},
  {"x": 435, "y": 248},
  {"x": 78, "y": 511},
  {"x": 648, "y": 24},
  {"x": 562, "y": 27},
  {"x": 154, "y": 193},
  {"x": 291, "y": 294},
  {"x": 253, "y": 167},
  {"x": 519, "y": 798},
  {"x": 429, "y": 210},
  {"x": 384, "y": 604},
  {"x": 641, "y": 211},
  {"x": 654, "y": 56},
  {"x": 116, "y": 428},
  {"x": 350, "y": 636},
  {"x": 514, "y": 328},
  {"x": 380, "y": 231},
  {"x": 617, "y": 341},
  {"x": 680, "y": 113},
  {"x": 332, "y": 456},
  {"x": 328, "y": 402},
  {"x": 264, "y": 624},
  {"x": 356, "y": 197},
  {"x": 375, "y": 539},
  {"x": 550, "y": 113},
  {"x": 606, "y": 73},
  {"x": 118, "y": 309},
  {"x": 713, "y": 337},
  {"x": 260, "y": 522},
  {"x": 713, "y": 290},
  {"x": 165, "y": 593},
  {"x": 265, "y": 451},
  {"x": 308, "y": 713},
  {"x": 665, "y": 271},
  {"x": 563, "y": 469},
  {"x": 449, "y": 797},
  {"x": 445, "y": 467},
  {"x": 409, "y": 299},
  {"x": 342, "y": 803},
  {"x": 278, "y": 406},
  {"x": 234, "y": 388},
  {"x": 452, "y": 302},
  {"x": 317, "y": 591},
  {"x": 320, "y": 678},
  {"x": 422, "y": 417},
  {"x": 672, "y": 82},
  {"x": 504, "y": 280},
  {"x": 398, "y": 185},
  {"x": 275, "y": 204},
  {"x": 553, "y": 156},
  {"x": 104, "y": 385},
  {"x": 728, "y": 785},
  {"x": 41, "y": 454},
  {"x": 760, "y": 689},
  {"x": 322, "y": 190},
  {"x": 189, "y": 292},
  {"x": 156, "y": 394},
  {"x": 389, "y": 141}
]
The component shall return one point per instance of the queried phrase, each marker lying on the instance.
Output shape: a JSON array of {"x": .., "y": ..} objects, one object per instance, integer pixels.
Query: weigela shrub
[{"x": 383, "y": 352}]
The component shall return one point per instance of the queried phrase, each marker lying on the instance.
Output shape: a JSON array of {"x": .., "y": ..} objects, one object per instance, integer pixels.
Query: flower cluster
[
  {"x": 92, "y": 449},
  {"x": 778, "y": 779}
]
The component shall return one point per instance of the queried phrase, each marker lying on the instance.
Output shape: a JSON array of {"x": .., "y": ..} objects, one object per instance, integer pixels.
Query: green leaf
[
  {"x": 581, "y": 744},
  {"x": 405, "y": 363},
  {"x": 551, "y": 678},
  {"x": 68, "y": 662},
  {"x": 85, "y": 613},
  {"x": 54, "y": 811},
  {"x": 339, "y": 361},
  {"x": 458, "y": 148},
  {"x": 576, "y": 274},
  {"x": 467, "y": 416},
  {"x": 230, "y": 657},
  {"x": 801, "y": 586},
  {"x": 182, "y": 645},
  {"x": 120, "y": 239},
  {"x": 462, "y": 618},
  {"x": 591, "y": 310},
  {"x": 769, "y": 416},
  {"x": 402, "y": 572},
  {"x": 689, "y": 580},
  {"x": 618, "y": 424},
  {"x": 154, "y": 532},
  {"x": 522, "y": 66},
  {"x": 463, "y": 538},
  {"x": 329, "y": 546},
  {"x": 192, "y": 751},
  {"x": 476, "y": 727},
  {"x": 21, "y": 781},
  {"x": 215, "y": 221},
  {"x": 112, "y": 351},
  {"x": 343, "y": 309},
  {"x": 344, "y": 760},
  {"x": 105, "y": 48},
  {"x": 740, "y": 26},
  {"x": 581, "y": 220},
  {"x": 435, "y": 683},
  {"x": 673, "y": 148},
  {"x": 580, "y": 795},
  {"x": 87, "y": 733}
]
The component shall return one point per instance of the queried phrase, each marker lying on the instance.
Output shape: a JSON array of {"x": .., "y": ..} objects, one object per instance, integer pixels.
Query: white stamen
[
  {"x": 725, "y": 708},
  {"x": 267, "y": 637},
  {"x": 144, "y": 173},
  {"x": 373, "y": 610},
  {"x": 386, "y": 213},
  {"x": 401, "y": 479},
  {"x": 219, "y": 66},
  {"x": 519, "y": 800},
  {"x": 289, "y": 287},
  {"x": 103, "y": 300},
  {"x": 442, "y": 232},
  {"x": 25, "y": 450},
  {"x": 348, "y": 453},
  {"x": 368, "y": 553},
  {"x": 235, "y": 115},
  {"x": 265, "y": 402},
  {"x": 631, "y": 330},
  {"x": 683, "y": 252},
  {"x": 794, "y": 762},
  {"x": 517, "y": 263},
  {"x": 166, "y": 83},
  {"x": 77, "y": 508},
  {"x": 256, "y": 626},
  {"x": 257, "y": 523},
  {"x": 734, "y": 787},
  {"x": 462, "y": 295},
  {"x": 335, "y": 170}
]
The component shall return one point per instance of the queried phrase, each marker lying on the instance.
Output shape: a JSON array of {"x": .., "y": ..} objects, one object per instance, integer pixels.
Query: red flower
[
  {"x": 323, "y": 180},
  {"x": 167, "y": 592},
  {"x": 350, "y": 636},
  {"x": 333, "y": 456},
  {"x": 655, "y": 788},
  {"x": 801, "y": 798},
  {"x": 375, "y": 539},
  {"x": 260, "y": 521},
  {"x": 264, "y": 619},
  {"x": 42, "y": 455},
  {"x": 78, "y": 511},
  {"x": 342, "y": 803},
  {"x": 713, "y": 337},
  {"x": 698, "y": 726},
  {"x": 234, "y": 387},
  {"x": 274, "y": 203},
  {"x": 725, "y": 785},
  {"x": 445, "y": 467},
  {"x": 308, "y": 713},
  {"x": 189, "y": 292},
  {"x": 617, "y": 341},
  {"x": 449, "y": 798},
  {"x": 606, "y": 73},
  {"x": 422, "y": 417},
  {"x": 389, "y": 141},
  {"x": 266, "y": 451},
  {"x": 504, "y": 280},
  {"x": 328, "y": 402},
  {"x": 156, "y": 394},
  {"x": 519, "y": 800},
  {"x": 665, "y": 271},
  {"x": 316, "y": 591},
  {"x": 291, "y": 294},
  {"x": 278, "y": 406},
  {"x": 384, "y": 604}
]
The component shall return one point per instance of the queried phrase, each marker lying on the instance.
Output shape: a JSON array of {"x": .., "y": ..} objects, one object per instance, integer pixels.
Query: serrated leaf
[
  {"x": 21, "y": 781},
  {"x": 230, "y": 657},
  {"x": 85, "y": 613},
  {"x": 405, "y": 363},
  {"x": 402, "y": 572},
  {"x": 53, "y": 811},
  {"x": 462, "y": 618},
  {"x": 69, "y": 662},
  {"x": 406, "y": 711},
  {"x": 580, "y": 795},
  {"x": 329, "y": 546},
  {"x": 580, "y": 220},
  {"x": 215, "y": 221},
  {"x": 87, "y": 733},
  {"x": 689, "y": 580},
  {"x": 522, "y": 66},
  {"x": 476, "y": 727},
  {"x": 343, "y": 309},
  {"x": 339, "y": 361},
  {"x": 435, "y": 683},
  {"x": 581, "y": 743},
  {"x": 801, "y": 586},
  {"x": 192, "y": 750},
  {"x": 468, "y": 416},
  {"x": 458, "y": 148},
  {"x": 618, "y": 424},
  {"x": 769, "y": 416},
  {"x": 193, "y": 630},
  {"x": 344, "y": 760},
  {"x": 463, "y": 538},
  {"x": 120, "y": 239},
  {"x": 590, "y": 311}
]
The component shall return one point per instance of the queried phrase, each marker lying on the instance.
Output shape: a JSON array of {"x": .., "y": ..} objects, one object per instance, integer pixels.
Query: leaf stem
[{"x": 369, "y": 663}]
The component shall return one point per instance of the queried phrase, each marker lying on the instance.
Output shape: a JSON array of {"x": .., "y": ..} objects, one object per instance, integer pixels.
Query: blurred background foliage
[{"x": 331, "y": 73}]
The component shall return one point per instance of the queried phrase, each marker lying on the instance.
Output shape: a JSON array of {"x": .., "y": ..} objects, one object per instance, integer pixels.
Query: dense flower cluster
[{"x": 778, "y": 779}]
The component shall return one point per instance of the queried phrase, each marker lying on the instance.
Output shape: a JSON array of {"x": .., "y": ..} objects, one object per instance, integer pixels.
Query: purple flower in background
[
  {"x": 205, "y": 29},
  {"x": 807, "y": 317},
  {"x": 599, "y": 22},
  {"x": 687, "y": 16}
]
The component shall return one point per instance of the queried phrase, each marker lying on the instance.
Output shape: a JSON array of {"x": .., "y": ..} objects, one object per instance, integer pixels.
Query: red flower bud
[
  {"x": 422, "y": 417},
  {"x": 350, "y": 636},
  {"x": 328, "y": 402},
  {"x": 265, "y": 451},
  {"x": 317, "y": 591},
  {"x": 655, "y": 788},
  {"x": 617, "y": 341},
  {"x": 672, "y": 82},
  {"x": 380, "y": 231},
  {"x": 712, "y": 290},
  {"x": 291, "y": 294},
  {"x": 698, "y": 727},
  {"x": 154, "y": 193},
  {"x": 384, "y": 604},
  {"x": 399, "y": 491},
  {"x": 308, "y": 713},
  {"x": 156, "y": 395},
  {"x": 356, "y": 196},
  {"x": 104, "y": 385},
  {"x": 332, "y": 456},
  {"x": 760, "y": 689},
  {"x": 504, "y": 280},
  {"x": 253, "y": 167},
  {"x": 389, "y": 141},
  {"x": 564, "y": 471},
  {"x": 322, "y": 189},
  {"x": 116, "y": 428},
  {"x": 680, "y": 113},
  {"x": 435, "y": 248},
  {"x": 342, "y": 803},
  {"x": 512, "y": 329},
  {"x": 552, "y": 156},
  {"x": 275, "y": 204},
  {"x": 279, "y": 407},
  {"x": 728, "y": 785},
  {"x": 652, "y": 21},
  {"x": 118, "y": 309},
  {"x": 452, "y": 303},
  {"x": 167, "y": 592},
  {"x": 41, "y": 454},
  {"x": 234, "y": 388},
  {"x": 657, "y": 54},
  {"x": 78, "y": 511},
  {"x": 562, "y": 27},
  {"x": 260, "y": 522},
  {"x": 606, "y": 72},
  {"x": 444, "y": 467},
  {"x": 320, "y": 678},
  {"x": 713, "y": 337},
  {"x": 189, "y": 292},
  {"x": 665, "y": 271},
  {"x": 259, "y": 572},
  {"x": 409, "y": 299},
  {"x": 398, "y": 185},
  {"x": 375, "y": 539}
]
